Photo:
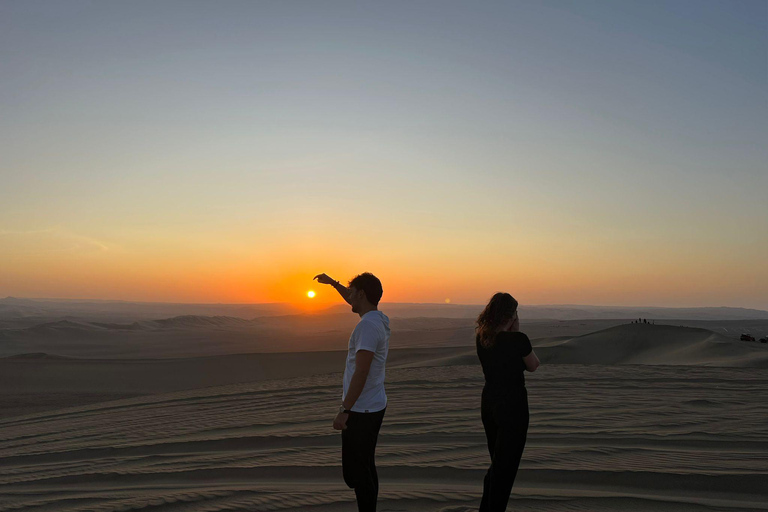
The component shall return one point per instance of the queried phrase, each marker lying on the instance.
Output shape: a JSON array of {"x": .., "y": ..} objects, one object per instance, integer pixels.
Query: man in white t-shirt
[{"x": 363, "y": 401}]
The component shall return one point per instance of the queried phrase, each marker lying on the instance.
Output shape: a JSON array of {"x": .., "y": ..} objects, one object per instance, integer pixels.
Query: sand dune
[
  {"x": 120, "y": 311},
  {"x": 198, "y": 336},
  {"x": 251, "y": 432},
  {"x": 602, "y": 438},
  {"x": 653, "y": 344},
  {"x": 36, "y": 382},
  {"x": 192, "y": 321},
  {"x": 39, "y": 381},
  {"x": 37, "y": 356}
]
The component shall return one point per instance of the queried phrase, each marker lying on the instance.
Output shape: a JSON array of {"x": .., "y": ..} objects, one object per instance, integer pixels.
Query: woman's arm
[{"x": 531, "y": 362}]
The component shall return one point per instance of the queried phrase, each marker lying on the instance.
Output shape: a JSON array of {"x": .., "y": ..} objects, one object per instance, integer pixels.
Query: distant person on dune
[
  {"x": 505, "y": 353},
  {"x": 363, "y": 401}
]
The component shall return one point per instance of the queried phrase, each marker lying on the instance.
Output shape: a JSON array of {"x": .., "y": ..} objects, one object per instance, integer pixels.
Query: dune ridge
[
  {"x": 653, "y": 345},
  {"x": 29, "y": 381}
]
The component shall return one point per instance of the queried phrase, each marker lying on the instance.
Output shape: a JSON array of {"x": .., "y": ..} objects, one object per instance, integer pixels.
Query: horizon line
[{"x": 332, "y": 305}]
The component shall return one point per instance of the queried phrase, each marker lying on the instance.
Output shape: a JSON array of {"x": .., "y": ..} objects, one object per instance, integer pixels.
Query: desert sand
[
  {"x": 601, "y": 438},
  {"x": 623, "y": 417}
]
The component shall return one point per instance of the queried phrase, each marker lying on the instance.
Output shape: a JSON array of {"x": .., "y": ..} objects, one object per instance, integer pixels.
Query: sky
[{"x": 591, "y": 152}]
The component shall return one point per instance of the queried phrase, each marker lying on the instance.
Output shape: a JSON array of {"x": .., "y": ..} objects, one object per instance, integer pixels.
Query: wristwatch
[{"x": 342, "y": 410}]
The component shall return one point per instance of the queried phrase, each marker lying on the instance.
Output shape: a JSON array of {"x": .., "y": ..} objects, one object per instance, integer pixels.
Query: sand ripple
[{"x": 604, "y": 438}]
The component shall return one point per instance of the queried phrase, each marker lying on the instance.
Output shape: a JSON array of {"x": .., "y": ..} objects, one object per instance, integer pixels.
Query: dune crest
[{"x": 652, "y": 345}]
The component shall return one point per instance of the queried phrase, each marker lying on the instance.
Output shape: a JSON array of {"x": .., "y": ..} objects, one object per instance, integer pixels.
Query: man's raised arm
[{"x": 326, "y": 279}]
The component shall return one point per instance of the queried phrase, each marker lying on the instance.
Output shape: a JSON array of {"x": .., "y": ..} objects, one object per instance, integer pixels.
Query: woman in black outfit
[{"x": 505, "y": 353}]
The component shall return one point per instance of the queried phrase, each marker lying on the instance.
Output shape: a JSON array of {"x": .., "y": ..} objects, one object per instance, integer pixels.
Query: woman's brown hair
[{"x": 500, "y": 309}]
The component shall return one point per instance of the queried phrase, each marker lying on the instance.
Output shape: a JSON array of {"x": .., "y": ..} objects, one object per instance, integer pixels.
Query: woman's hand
[
  {"x": 512, "y": 325},
  {"x": 531, "y": 362}
]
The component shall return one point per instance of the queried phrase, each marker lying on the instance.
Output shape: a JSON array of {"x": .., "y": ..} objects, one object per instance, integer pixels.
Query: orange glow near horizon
[
  {"x": 538, "y": 285},
  {"x": 229, "y": 270}
]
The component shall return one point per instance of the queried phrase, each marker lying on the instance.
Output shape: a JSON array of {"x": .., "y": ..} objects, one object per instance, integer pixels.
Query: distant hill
[
  {"x": 38, "y": 356},
  {"x": 38, "y": 311},
  {"x": 122, "y": 312},
  {"x": 652, "y": 344},
  {"x": 193, "y": 336},
  {"x": 570, "y": 312},
  {"x": 576, "y": 312},
  {"x": 192, "y": 321}
]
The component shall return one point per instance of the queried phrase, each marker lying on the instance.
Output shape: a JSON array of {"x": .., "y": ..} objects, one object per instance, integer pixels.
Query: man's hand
[
  {"x": 343, "y": 290},
  {"x": 340, "y": 422},
  {"x": 324, "y": 279}
]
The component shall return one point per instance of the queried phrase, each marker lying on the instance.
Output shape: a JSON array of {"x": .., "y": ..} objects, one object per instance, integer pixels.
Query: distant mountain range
[
  {"x": 119, "y": 311},
  {"x": 108, "y": 311}
]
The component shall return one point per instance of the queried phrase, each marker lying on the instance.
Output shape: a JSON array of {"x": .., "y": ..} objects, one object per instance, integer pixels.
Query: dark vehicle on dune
[
  {"x": 747, "y": 337},
  {"x": 764, "y": 340}
]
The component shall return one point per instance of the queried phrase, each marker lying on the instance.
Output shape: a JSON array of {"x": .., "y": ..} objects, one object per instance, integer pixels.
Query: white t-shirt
[{"x": 371, "y": 333}]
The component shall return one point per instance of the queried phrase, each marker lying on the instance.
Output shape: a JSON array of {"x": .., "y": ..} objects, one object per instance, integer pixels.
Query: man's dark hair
[{"x": 370, "y": 284}]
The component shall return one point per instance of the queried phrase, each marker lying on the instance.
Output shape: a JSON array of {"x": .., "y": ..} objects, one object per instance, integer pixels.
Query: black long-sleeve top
[{"x": 502, "y": 362}]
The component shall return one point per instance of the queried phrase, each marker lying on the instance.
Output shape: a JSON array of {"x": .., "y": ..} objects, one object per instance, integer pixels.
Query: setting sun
[{"x": 310, "y": 294}]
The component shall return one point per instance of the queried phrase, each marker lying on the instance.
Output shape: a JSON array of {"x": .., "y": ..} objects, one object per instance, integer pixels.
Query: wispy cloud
[{"x": 48, "y": 240}]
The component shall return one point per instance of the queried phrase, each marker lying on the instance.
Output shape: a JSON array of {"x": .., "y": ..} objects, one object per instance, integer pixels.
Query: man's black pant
[
  {"x": 505, "y": 419},
  {"x": 358, "y": 445}
]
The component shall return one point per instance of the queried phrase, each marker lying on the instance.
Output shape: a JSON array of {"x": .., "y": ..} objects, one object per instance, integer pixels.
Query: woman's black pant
[
  {"x": 505, "y": 419},
  {"x": 358, "y": 446}
]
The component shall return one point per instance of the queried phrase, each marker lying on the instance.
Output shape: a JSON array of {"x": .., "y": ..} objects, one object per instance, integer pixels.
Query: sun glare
[{"x": 310, "y": 294}]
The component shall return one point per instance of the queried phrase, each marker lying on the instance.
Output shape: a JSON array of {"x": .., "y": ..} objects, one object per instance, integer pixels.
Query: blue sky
[{"x": 619, "y": 146}]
